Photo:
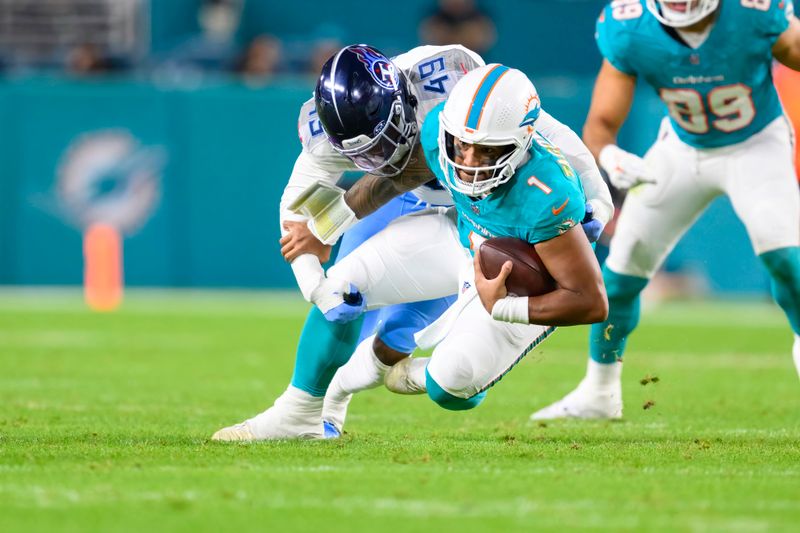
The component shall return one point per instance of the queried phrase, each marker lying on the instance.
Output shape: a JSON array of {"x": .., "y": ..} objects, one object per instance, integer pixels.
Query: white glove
[{"x": 625, "y": 170}]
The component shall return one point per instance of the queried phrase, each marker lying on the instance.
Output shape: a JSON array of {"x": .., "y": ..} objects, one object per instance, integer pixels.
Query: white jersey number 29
[{"x": 731, "y": 108}]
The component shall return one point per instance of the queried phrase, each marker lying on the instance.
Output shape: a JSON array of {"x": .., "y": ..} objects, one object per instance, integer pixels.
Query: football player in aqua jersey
[
  {"x": 507, "y": 181},
  {"x": 724, "y": 133},
  {"x": 365, "y": 116}
]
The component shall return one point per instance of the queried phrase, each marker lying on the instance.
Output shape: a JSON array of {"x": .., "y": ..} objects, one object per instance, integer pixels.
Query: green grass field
[{"x": 105, "y": 419}]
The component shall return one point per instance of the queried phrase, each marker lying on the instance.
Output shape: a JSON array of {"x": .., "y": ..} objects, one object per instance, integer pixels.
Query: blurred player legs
[
  {"x": 758, "y": 177},
  {"x": 325, "y": 346}
]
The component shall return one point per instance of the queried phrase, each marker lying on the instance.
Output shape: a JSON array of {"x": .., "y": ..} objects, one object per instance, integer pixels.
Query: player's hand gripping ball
[{"x": 528, "y": 276}]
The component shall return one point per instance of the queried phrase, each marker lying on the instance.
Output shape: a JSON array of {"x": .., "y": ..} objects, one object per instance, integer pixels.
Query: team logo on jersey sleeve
[
  {"x": 566, "y": 225},
  {"x": 381, "y": 70}
]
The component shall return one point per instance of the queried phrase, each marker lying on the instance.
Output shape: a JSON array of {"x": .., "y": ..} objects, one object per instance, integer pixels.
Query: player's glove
[
  {"x": 592, "y": 227},
  {"x": 338, "y": 300},
  {"x": 625, "y": 170}
]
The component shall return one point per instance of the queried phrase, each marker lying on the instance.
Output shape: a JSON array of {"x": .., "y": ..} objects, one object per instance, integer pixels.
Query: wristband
[{"x": 511, "y": 309}]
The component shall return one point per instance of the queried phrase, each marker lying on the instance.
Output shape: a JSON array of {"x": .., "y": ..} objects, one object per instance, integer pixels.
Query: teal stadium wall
[
  {"x": 230, "y": 148},
  {"x": 229, "y": 152}
]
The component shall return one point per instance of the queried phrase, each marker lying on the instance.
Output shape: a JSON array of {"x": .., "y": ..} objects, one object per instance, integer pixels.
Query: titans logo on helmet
[{"x": 381, "y": 70}]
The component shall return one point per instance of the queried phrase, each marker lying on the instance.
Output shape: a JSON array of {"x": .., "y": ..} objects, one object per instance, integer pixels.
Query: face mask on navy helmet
[{"x": 365, "y": 108}]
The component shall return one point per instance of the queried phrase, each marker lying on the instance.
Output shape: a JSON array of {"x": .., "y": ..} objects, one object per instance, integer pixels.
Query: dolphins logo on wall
[{"x": 109, "y": 177}]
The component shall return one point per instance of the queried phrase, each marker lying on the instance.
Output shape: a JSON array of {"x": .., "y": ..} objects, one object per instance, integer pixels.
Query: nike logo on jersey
[{"x": 559, "y": 209}]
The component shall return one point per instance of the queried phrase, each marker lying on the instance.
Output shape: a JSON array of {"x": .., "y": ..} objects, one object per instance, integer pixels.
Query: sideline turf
[{"x": 104, "y": 422}]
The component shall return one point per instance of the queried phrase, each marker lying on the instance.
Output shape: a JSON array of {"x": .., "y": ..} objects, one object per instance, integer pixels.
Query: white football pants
[
  {"x": 419, "y": 257},
  {"x": 756, "y": 174}
]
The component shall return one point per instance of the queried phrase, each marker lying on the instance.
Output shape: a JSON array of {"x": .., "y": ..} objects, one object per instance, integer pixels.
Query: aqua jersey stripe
[{"x": 482, "y": 94}]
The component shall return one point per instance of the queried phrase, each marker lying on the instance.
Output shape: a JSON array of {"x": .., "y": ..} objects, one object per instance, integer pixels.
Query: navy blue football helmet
[{"x": 366, "y": 110}]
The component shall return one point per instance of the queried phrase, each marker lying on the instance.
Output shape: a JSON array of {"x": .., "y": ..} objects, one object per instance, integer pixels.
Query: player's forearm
[
  {"x": 308, "y": 170},
  {"x": 791, "y": 58},
  {"x": 787, "y": 47},
  {"x": 597, "y": 134},
  {"x": 612, "y": 99},
  {"x": 307, "y": 269},
  {"x": 371, "y": 192},
  {"x": 565, "y": 307},
  {"x": 308, "y": 273}
]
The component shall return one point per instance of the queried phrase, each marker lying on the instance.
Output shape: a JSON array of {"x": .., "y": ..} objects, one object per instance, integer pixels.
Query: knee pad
[{"x": 447, "y": 400}]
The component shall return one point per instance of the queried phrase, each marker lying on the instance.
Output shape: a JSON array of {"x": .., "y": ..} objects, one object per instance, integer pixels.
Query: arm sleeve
[
  {"x": 582, "y": 161},
  {"x": 319, "y": 163}
]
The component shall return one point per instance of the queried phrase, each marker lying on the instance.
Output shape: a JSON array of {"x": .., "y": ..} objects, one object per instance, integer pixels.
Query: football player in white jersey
[{"x": 371, "y": 108}]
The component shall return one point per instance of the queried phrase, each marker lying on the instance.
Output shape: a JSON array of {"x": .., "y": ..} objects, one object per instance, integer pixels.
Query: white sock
[
  {"x": 363, "y": 371},
  {"x": 603, "y": 376},
  {"x": 796, "y": 353}
]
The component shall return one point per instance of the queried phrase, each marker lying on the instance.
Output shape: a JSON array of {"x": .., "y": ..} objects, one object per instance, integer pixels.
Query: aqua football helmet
[
  {"x": 681, "y": 13},
  {"x": 493, "y": 105}
]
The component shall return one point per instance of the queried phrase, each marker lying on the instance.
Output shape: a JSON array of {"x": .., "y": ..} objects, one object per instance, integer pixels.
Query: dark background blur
[{"x": 176, "y": 121}]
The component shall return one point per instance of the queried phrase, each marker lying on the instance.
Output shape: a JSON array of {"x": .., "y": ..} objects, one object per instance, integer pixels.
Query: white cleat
[
  {"x": 295, "y": 415},
  {"x": 235, "y": 433},
  {"x": 585, "y": 402},
  {"x": 796, "y": 353},
  {"x": 408, "y": 376}
]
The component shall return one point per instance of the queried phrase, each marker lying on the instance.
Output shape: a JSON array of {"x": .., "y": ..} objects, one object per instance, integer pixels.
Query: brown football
[{"x": 528, "y": 277}]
